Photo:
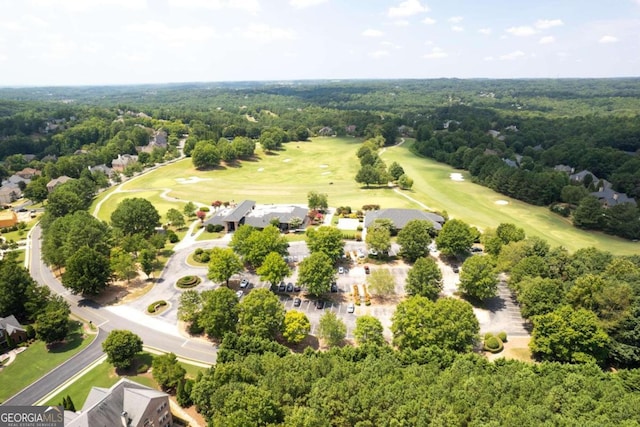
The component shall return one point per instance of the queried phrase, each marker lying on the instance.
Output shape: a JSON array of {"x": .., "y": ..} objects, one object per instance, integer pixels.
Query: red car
[{"x": 366, "y": 269}]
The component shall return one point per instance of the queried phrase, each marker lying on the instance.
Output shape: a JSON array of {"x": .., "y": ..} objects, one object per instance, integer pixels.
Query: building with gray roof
[{"x": 400, "y": 217}]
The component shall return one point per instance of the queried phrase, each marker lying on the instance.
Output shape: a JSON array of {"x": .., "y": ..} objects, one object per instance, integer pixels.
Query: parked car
[
  {"x": 282, "y": 287},
  {"x": 289, "y": 287},
  {"x": 341, "y": 270},
  {"x": 366, "y": 269},
  {"x": 239, "y": 294},
  {"x": 334, "y": 287},
  {"x": 297, "y": 302},
  {"x": 319, "y": 305},
  {"x": 456, "y": 269},
  {"x": 296, "y": 288},
  {"x": 244, "y": 283},
  {"x": 476, "y": 249},
  {"x": 351, "y": 307}
]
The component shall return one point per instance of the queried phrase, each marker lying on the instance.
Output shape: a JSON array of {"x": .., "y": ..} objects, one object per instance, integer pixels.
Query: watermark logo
[{"x": 31, "y": 416}]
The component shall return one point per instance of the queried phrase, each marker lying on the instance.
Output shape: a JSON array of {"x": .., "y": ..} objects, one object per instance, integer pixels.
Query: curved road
[{"x": 155, "y": 333}]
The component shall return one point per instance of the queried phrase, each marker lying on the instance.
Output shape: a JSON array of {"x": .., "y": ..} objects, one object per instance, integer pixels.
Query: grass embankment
[
  {"x": 36, "y": 361},
  {"x": 329, "y": 165},
  {"x": 104, "y": 375}
]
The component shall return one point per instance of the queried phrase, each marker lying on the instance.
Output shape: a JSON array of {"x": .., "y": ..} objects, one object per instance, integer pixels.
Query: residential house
[
  {"x": 125, "y": 404},
  {"x": 580, "y": 176},
  {"x": 15, "y": 180},
  {"x": 51, "y": 185},
  {"x": 101, "y": 168},
  {"x": 158, "y": 140},
  {"x": 510, "y": 163},
  {"x": 231, "y": 218},
  {"x": 9, "y": 194},
  {"x": 563, "y": 168},
  {"x": 123, "y": 161},
  {"x": 400, "y": 217},
  {"x": 326, "y": 131},
  {"x": 609, "y": 198},
  {"x": 11, "y": 332},
  {"x": 28, "y": 173}
]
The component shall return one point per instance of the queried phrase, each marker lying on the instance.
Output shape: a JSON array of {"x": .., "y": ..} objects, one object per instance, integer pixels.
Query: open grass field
[
  {"x": 329, "y": 165},
  {"x": 36, "y": 361}
]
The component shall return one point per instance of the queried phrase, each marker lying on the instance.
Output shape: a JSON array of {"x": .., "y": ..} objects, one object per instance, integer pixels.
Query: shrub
[
  {"x": 218, "y": 228},
  {"x": 173, "y": 237},
  {"x": 188, "y": 282},
  {"x": 359, "y": 228},
  {"x": 503, "y": 336},
  {"x": 488, "y": 335},
  {"x": 204, "y": 209},
  {"x": 198, "y": 251},
  {"x": 210, "y": 228},
  {"x": 195, "y": 328},
  {"x": 142, "y": 368},
  {"x": 205, "y": 258},
  {"x": 154, "y": 306},
  {"x": 493, "y": 344}
]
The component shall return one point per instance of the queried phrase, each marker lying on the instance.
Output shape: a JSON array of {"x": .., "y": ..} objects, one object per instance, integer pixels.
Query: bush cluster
[
  {"x": 188, "y": 282},
  {"x": 202, "y": 255},
  {"x": 370, "y": 207},
  {"x": 154, "y": 306},
  {"x": 494, "y": 343}
]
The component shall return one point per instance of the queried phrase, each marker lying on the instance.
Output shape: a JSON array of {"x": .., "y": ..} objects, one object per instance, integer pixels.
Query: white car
[
  {"x": 239, "y": 294},
  {"x": 244, "y": 283},
  {"x": 351, "y": 308},
  {"x": 340, "y": 270}
]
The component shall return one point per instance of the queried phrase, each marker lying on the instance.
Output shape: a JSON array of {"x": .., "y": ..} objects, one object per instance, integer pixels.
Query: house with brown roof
[
  {"x": 123, "y": 161},
  {"x": 11, "y": 332},
  {"x": 126, "y": 404},
  {"x": 9, "y": 194},
  {"x": 28, "y": 173},
  {"x": 51, "y": 185}
]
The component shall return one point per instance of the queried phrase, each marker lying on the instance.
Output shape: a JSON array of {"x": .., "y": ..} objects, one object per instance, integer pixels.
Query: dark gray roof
[
  {"x": 581, "y": 175},
  {"x": 612, "y": 198},
  {"x": 400, "y": 217},
  {"x": 240, "y": 211},
  {"x": 10, "y": 324},
  {"x": 285, "y": 215}
]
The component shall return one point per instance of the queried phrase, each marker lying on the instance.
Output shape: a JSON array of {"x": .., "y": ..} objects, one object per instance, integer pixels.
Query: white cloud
[
  {"x": 390, "y": 44},
  {"x": 372, "y": 33},
  {"x": 251, "y": 6},
  {"x": 457, "y": 28},
  {"x": 83, "y": 5},
  {"x": 262, "y": 33},
  {"x": 485, "y": 31},
  {"x": 431, "y": 21},
  {"x": 513, "y": 55},
  {"x": 522, "y": 31},
  {"x": 379, "y": 54},
  {"x": 407, "y": 8},
  {"x": 401, "y": 23},
  {"x": 455, "y": 19},
  {"x": 301, "y": 4},
  {"x": 436, "y": 53},
  {"x": 544, "y": 24},
  {"x": 173, "y": 35},
  {"x": 608, "y": 39},
  {"x": 488, "y": 58},
  {"x": 428, "y": 43},
  {"x": 547, "y": 40}
]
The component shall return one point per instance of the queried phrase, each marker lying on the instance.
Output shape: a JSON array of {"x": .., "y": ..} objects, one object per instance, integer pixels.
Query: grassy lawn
[
  {"x": 104, "y": 375},
  {"x": 115, "y": 198},
  {"x": 329, "y": 165},
  {"x": 476, "y": 205},
  {"x": 36, "y": 361}
]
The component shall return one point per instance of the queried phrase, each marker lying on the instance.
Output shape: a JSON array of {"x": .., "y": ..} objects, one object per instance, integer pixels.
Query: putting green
[{"x": 329, "y": 165}]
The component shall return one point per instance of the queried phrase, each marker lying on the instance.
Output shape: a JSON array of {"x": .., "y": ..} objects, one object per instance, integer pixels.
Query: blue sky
[{"x": 80, "y": 42}]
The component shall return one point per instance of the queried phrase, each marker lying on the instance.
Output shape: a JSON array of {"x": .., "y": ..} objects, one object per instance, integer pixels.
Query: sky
[{"x": 112, "y": 42}]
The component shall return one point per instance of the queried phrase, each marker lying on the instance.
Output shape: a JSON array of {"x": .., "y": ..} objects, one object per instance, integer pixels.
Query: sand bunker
[
  {"x": 260, "y": 170},
  {"x": 286, "y": 160},
  {"x": 324, "y": 166},
  {"x": 501, "y": 202},
  {"x": 326, "y": 173},
  {"x": 456, "y": 177},
  {"x": 191, "y": 180}
]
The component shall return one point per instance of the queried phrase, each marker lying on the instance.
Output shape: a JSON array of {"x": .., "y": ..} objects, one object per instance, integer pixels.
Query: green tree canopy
[
  {"x": 205, "y": 155},
  {"x": 274, "y": 269},
  {"x": 316, "y": 273},
  {"x": 88, "y": 272},
  {"x": 167, "y": 372},
  {"x": 260, "y": 314},
  {"x": 135, "y": 216},
  {"x": 424, "y": 279},
  {"x": 455, "y": 238},
  {"x": 326, "y": 239},
  {"x": 539, "y": 296},
  {"x": 415, "y": 238},
  {"x": 508, "y": 232},
  {"x": 368, "y": 330},
  {"x": 223, "y": 264},
  {"x": 381, "y": 282},
  {"x": 331, "y": 329},
  {"x": 478, "y": 278},
  {"x": 219, "y": 312},
  {"x": 121, "y": 347},
  {"x": 378, "y": 238},
  {"x": 259, "y": 244},
  {"x": 176, "y": 218},
  {"x": 317, "y": 201},
  {"x": 296, "y": 326},
  {"x": 52, "y": 324},
  {"x": 447, "y": 323}
]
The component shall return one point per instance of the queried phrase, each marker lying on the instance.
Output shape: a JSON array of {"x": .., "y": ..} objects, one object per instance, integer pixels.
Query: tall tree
[
  {"x": 176, "y": 218},
  {"x": 296, "y": 326},
  {"x": 378, "y": 238},
  {"x": 167, "y": 371},
  {"x": 368, "y": 330},
  {"x": 381, "y": 282},
  {"x": 219, "y": 313},
  {"x": 88, "y": 272},
  {"x": 478, "y": 277},
  {"x": 122, "y": 264},
  {"x": 316, "y": 273},
  {"x": 331, "y": 329},
  {"x": 135, "y": 216},
  {"x": 121, "y": 347},
  {"x": 223, "y": 264},
  {"x": 424, "y": 279},
  {"x": 326, "y": 239},
  {"x": 274, "y": 269},
  {"x": 455, "y": 238},
  {"x": 368, "y": 175},
  {"x": 260, "y": 314},
  {"x": 52, "y": 324},
  {"x": 317, "y": 201},
  {"x": 259, "y": 244},
  {"x": 589, "y": 214},
  {"x": 415, "y": 238}
]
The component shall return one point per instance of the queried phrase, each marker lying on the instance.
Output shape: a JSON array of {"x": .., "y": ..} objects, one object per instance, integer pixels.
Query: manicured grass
[
  {"x": 36, "y": 361},
  {"x": 329, "y": 165},
  {"x": 476, "y": 205},
  {"x": 104, "y": 375},
  {"x": 114, "y": 198}
]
